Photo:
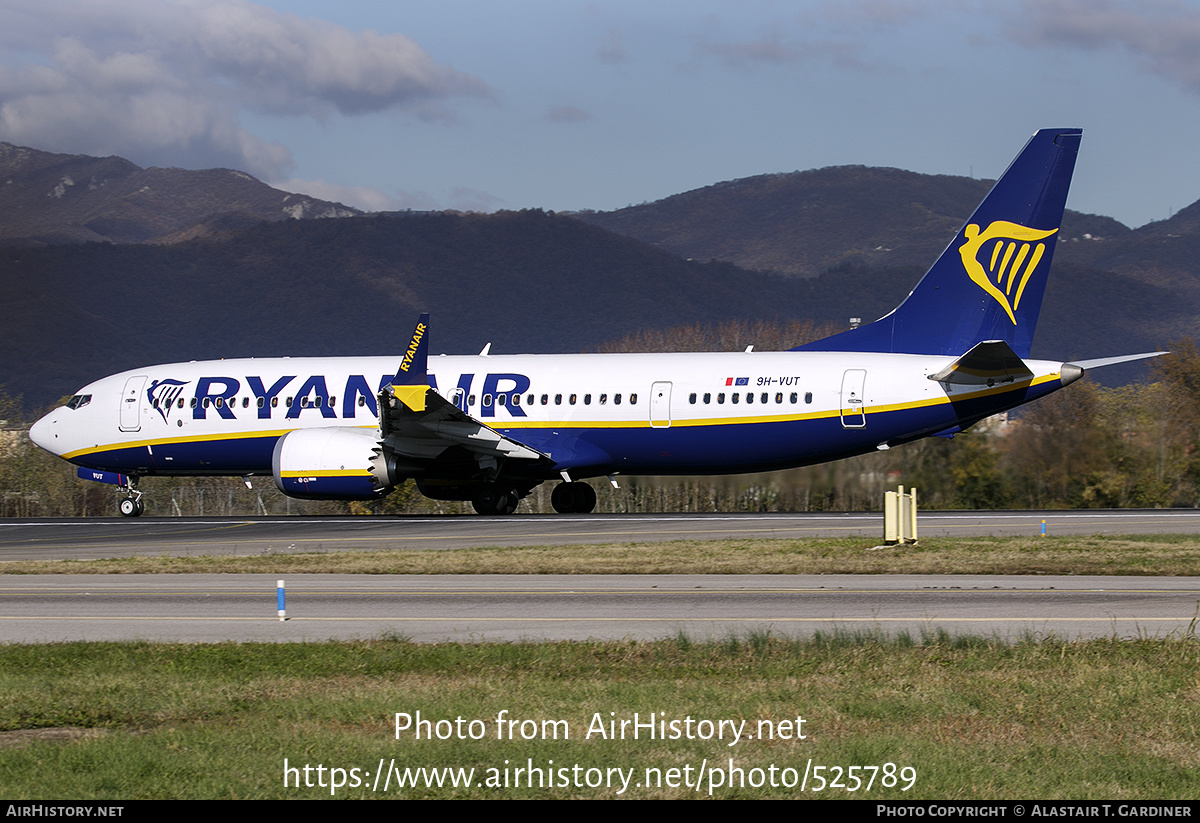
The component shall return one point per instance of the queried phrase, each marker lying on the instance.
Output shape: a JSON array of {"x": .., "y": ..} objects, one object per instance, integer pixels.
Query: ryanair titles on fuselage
[
  {"x": 291, "y": 396},
  {"x": 216, "y": 395}
]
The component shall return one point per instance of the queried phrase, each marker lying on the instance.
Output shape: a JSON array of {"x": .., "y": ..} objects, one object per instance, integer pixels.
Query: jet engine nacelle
[{"x": 328, "y": 463}]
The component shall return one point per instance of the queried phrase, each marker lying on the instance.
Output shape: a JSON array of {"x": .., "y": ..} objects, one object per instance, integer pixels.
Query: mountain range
[
  {"x": 51, "y": 199},
  {"x": 106, "y": 266}
]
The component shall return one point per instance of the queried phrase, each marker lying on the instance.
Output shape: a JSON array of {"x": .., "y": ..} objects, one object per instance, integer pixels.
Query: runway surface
[
  {"x": 471, "y": 608},
  {"x": 430, "y": 608},
  {"x": 91, "y": 538}
]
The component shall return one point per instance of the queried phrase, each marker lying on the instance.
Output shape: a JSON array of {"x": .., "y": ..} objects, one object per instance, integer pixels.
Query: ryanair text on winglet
[{"x": 418, "y": 333}]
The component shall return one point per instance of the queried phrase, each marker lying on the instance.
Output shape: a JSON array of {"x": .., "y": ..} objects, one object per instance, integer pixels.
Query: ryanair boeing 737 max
[{"x": 491, "y": 428}]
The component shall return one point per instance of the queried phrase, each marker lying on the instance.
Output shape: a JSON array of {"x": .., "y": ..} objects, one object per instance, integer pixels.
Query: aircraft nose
[{"x": 44, "y": 433}]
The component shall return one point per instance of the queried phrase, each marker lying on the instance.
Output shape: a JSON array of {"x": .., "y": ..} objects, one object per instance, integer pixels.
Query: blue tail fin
[{"x": 988, "y": 283}]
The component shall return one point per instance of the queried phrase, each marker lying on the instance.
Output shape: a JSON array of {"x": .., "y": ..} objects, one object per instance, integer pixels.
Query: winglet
[{"x": 412, "y": 378}]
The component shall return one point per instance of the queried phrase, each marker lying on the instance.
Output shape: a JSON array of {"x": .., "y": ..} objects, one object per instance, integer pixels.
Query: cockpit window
[{"x": 79, "y": 401}]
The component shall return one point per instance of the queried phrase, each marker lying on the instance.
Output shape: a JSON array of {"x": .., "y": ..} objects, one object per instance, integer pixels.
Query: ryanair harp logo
[{"x": 1001, "y": 259}]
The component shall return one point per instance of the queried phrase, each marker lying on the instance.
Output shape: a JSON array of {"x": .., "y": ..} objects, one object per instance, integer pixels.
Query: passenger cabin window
[
  {"x": 633, "y": 399},
  {"x": 692, "y": 398},
  {"x": 707, "y": 398},
  {"x": 571, "y": 400},
  {"x": 808, "y": 397},
  {"x": 558, "y": 399},
  {"x": 617, "y": 398},
  {"x": 587, "y": 400}
]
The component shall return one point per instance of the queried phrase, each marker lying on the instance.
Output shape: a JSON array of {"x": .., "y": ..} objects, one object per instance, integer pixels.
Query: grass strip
[
  {"x": 1162, "y": 555},
  {"x": 974, "y": 718}
]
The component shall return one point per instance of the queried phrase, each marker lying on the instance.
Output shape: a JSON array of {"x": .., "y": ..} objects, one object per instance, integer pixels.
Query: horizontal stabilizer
[
  {"x": 1112, "y": 361},
  {"x": 987, "y": 364}
]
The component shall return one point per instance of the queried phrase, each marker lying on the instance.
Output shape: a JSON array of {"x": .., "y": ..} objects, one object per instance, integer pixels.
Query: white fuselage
[{"x": 591, "y": 414}]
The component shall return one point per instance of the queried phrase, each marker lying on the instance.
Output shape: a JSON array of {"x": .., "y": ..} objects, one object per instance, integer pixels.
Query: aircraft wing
[
  {"x": 420, "y": 426},
  {"x": 425, "y": 433}
]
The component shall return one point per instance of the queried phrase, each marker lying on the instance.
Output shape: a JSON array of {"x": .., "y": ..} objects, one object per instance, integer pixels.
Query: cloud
[
  {"x": 768, "y": 49},
  {"x": 364, "y": 198},
  {"x": 467, "y": 199},
  {"x": 1163, "y": 36},
  {"x": 373, "y": 200},
  {"x": 166, "y": 82},
  {"x": 772, "y": 50},
  {"x": 835, "y": 33},
  {"x": 567, "y": 114},
  {"x": 612, "y": 48}
]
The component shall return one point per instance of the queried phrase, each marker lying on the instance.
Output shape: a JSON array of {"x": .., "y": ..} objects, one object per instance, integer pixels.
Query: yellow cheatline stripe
[
  {"x": 172, "y": 441},
  {"x": 198, "y": 438},
  {"x": 776, "y": 418},
  {"x": 519, "y": 424},
  {"x": 330, "y": 473}
]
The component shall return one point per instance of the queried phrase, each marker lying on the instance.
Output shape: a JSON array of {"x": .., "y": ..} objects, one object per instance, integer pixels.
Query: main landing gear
[
  {"x": 131, "y": 505},
  {"x": 493, "y": 498},
  {"x": 573, "y": 498},
  {"x": 567, "y": 498}
]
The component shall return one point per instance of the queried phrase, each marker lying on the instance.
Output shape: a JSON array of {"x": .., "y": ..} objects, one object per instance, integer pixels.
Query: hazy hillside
[
  {"x": 803, "y": 223},
  {"x": 63, "y": 198},
  {"x": 525, "y": 281}
]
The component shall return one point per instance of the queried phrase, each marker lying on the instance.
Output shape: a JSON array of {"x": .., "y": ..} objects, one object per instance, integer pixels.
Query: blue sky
[{"x": 487, "y": 104}]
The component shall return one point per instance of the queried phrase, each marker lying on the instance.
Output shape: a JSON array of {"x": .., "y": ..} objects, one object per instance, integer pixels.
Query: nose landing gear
[{"x": 131, "y": 505}]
